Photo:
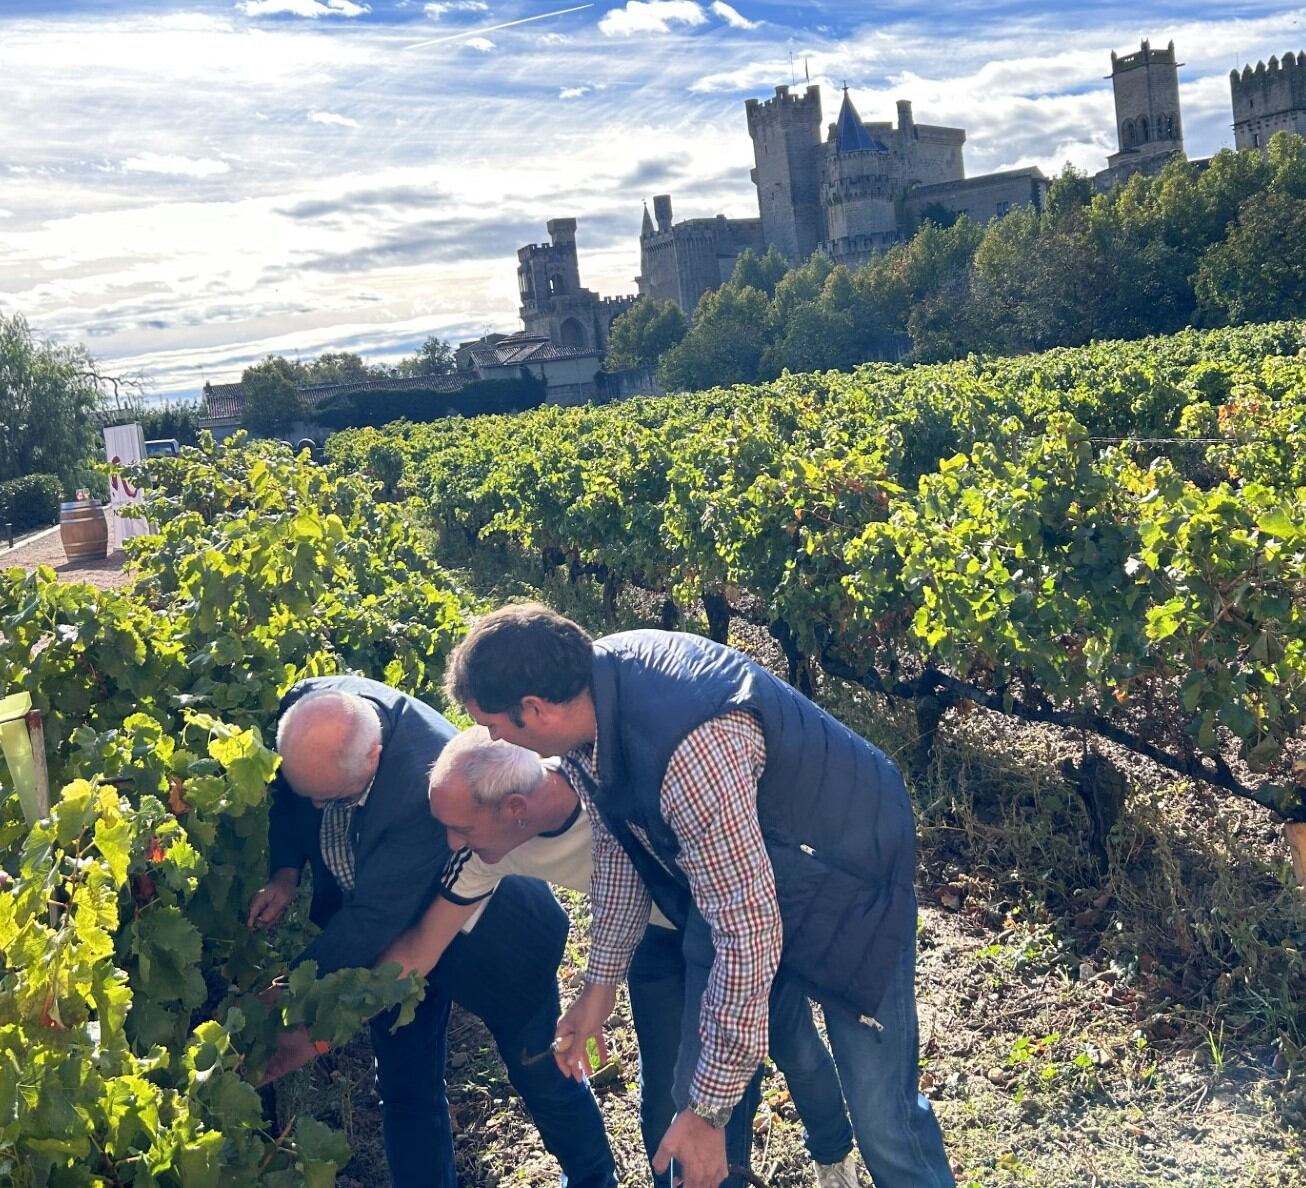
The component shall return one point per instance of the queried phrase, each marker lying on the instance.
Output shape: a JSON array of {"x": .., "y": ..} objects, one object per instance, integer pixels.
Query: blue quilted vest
[{"x": 834, "y": 811}]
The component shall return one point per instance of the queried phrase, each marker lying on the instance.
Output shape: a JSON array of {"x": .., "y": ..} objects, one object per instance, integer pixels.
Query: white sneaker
[{"x": 837, "y": 1175}]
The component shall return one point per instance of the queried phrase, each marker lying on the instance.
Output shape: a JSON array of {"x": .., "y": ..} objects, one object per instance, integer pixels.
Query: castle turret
[
  {"x": 786, "y": 133},
  {"x": 1269, "y": 99},
  {"x": 859, "y": 190},
  {"x": 646, "y": 228},
  {"x": 1146, "y": 87},
  {"x": 662, "y": 211}
]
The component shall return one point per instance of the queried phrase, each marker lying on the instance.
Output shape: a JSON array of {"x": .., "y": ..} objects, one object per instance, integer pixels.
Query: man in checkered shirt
[{"x": 777, "y": 840}]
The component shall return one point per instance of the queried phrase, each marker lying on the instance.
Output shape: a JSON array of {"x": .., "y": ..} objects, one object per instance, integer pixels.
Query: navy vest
[{"x": 834, "y": 811}]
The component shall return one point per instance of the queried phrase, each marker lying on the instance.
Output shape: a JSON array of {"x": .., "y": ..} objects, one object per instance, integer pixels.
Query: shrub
[{"x": 31, "y": 501}]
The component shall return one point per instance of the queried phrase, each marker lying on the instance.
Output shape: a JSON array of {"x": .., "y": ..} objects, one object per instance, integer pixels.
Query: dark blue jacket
[
  {"x": 400, "y": 848},
  {"x": 834, "y": 811}
]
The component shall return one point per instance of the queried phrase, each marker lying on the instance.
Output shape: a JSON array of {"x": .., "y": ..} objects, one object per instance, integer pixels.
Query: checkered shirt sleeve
[
  {"x": 709, "y": 798},
  {"x": 619, "y": 901}
]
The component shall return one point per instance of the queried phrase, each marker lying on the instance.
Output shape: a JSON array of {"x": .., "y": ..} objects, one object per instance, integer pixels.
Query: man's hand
[
  {"x": 295, "y": 1048},
  {"x": 270, "y": 901},
  {"x": 699, "y": 1150},
  {"x": 584, "y": 1021}
]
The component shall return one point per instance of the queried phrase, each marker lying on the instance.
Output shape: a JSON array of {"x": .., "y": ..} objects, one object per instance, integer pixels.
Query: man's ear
[
  {"x": 535, "y": 707},
  {"x": 515, "y": 806}
]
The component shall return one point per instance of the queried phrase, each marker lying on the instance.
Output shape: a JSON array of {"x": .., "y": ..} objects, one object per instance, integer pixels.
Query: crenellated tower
[
  {"x": 1269, "y": 99},
  {"x": 1146, "y": 87},
  {"x": 787, "y": 148},
  {"x": 553, "y": 302}
]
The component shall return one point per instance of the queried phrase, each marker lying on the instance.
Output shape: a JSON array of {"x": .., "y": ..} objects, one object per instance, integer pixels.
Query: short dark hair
[{"x": 521, "y": 650}]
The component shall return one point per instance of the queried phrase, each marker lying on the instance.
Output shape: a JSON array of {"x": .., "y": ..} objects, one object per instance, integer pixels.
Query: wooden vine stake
[{"x": 1295, "y": 833}]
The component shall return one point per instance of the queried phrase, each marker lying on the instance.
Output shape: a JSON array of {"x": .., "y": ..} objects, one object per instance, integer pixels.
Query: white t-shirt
[{"x": 561, "y": 858}]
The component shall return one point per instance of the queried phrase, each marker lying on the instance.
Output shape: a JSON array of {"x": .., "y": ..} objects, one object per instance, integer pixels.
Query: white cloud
[
  {"x": 554, "y": 39},
  {"x": 175, "y": 164},
  {"x": 331, "y": 117},
  {"x": 732, "y": 17},
  {"x": 651, "y": 16},
  {"x": 6, "y": 214},
  {"x": 574, "y": 92},
  {"x": 303, "y": 8},
  {"x": 436, "y": 10},
  {"x": 482, "y": 45}
]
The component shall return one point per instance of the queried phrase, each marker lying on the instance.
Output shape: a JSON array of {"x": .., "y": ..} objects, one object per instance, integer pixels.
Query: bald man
[{"x": 350, "y": 802}]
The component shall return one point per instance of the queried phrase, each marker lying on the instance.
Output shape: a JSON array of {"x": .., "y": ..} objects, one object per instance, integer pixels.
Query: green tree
[
  {"x": 1256, "y": 274},
  {"x": 48, "y": 400},
  {"x": 1070, "y": 191},
  {"x": 339, "y": 367},
  {"x": 763, "y": 273},
  {"x": 731, "y": 330},
  {"x": 272, "y": 400},
  {"x": 434, "y": 357},
  {"x": 644, "y": 333}
]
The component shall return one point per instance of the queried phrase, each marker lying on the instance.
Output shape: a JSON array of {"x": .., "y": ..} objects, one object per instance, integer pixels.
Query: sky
[{"x": 188, "y": 187}]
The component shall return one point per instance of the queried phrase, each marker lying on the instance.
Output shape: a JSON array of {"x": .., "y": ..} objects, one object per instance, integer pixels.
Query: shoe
[{"x": 837, "y": 1175}]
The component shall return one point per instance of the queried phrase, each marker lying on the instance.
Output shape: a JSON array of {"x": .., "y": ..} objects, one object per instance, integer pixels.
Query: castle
[{"x": 866, "y": 186}]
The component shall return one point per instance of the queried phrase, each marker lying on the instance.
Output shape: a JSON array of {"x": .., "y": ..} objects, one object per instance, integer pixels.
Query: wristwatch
[{"x": 714, "y": 1116}]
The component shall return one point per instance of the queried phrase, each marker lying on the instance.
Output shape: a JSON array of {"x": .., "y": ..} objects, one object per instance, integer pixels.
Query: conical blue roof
[{"x": 850, "y": 134}]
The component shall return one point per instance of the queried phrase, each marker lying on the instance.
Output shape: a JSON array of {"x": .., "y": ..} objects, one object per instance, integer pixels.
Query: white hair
[
  {"x": 494, "y": 770},
  {"x": 357, "y": 722}
]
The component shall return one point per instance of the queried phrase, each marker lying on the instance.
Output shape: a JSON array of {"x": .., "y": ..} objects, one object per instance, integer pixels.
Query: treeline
[{"x": 1217, "y": 245}]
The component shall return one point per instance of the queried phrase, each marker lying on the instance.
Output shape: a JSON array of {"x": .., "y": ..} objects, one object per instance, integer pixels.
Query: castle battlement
[
  {"x": 1144, "y": 57},
  {"x": 1265, "y": 70},
  {"x": 784, "y": 103},
  {"x": 847, "y": 189}
]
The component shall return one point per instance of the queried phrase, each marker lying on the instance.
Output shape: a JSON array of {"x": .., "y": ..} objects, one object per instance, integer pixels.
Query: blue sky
[{"x": 187, "y": 187}]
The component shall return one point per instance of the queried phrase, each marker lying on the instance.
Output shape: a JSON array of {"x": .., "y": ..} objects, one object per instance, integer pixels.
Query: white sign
[{"x": 124, "y": 445}]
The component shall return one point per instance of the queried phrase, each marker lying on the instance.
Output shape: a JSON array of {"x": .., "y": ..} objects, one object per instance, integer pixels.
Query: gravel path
[{"x": 47, "y": 549}]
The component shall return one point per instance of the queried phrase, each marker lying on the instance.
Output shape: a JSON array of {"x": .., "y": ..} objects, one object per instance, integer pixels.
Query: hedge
[{"x": 31, "y": 501}]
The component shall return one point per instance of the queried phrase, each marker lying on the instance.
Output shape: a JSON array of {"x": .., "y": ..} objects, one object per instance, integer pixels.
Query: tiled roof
[
  {"x": 525, "y": 348},
  {"x": 228, "y": 400}
]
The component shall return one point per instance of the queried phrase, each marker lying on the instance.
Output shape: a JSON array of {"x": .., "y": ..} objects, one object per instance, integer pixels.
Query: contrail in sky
[{"x": 494, "y": 28}]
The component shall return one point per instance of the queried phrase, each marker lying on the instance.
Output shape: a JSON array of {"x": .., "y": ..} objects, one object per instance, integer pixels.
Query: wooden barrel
[{"x": 83, "y": 530}]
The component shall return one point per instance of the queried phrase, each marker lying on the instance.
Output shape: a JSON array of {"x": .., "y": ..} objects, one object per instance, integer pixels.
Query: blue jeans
[
  {"x": 662, "y": 1008},
  {"x": 505, "y": 972},
  {"x": 896, "y": 1130},
  {"x": 801, "y": 1055}
]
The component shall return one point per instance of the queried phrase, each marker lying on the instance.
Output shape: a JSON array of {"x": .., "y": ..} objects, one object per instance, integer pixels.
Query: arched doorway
[{"x": 572, "y": 334}]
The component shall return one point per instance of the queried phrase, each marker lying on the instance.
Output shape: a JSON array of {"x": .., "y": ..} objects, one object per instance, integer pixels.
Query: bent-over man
[
  {"x": 350, "y": 801},
  {"x": 780, "y": 841},
  {"x": 506, "y": 813}
]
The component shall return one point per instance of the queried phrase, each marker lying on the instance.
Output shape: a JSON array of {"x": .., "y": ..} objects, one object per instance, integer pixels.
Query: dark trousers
[
  {"x": 504, "y": 971},
  {"x": 664, "y": 1002}
]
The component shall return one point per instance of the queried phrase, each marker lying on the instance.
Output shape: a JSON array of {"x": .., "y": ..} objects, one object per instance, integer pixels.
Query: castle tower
[
  {"x": 786, "y": 133},
  {"x": 1146, "y": 86},
  {"x": 859, "y": 189},
  {"x": 1269, "y": 99}
]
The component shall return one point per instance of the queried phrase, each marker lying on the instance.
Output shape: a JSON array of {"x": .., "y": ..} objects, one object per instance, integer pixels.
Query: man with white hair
[
  {"x": 509, "y": 813},
  {"x": 350, "y": 801}
]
